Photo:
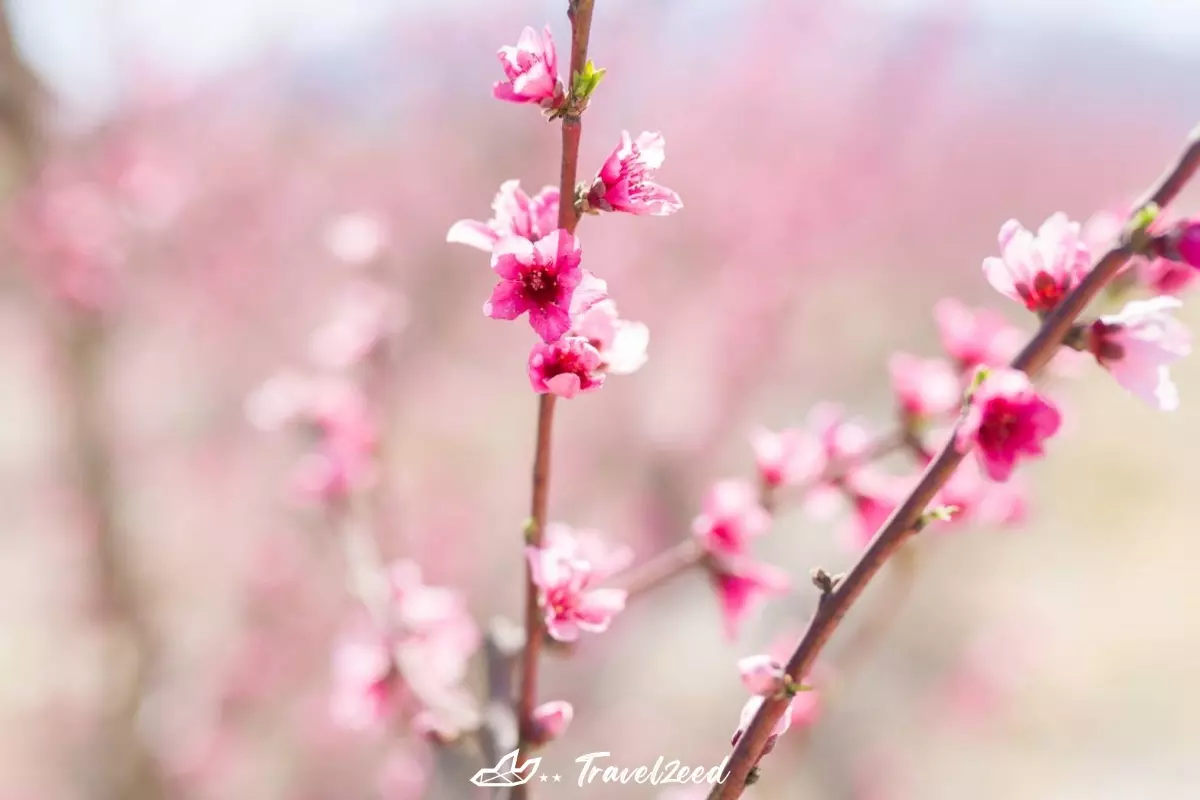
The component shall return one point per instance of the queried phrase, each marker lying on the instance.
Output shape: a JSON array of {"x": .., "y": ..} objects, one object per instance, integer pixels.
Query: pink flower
[
  {"x": 874, "y": 496},
  {"x": 365, "y": 682},
  {"x": 1188, "y": 243},
  {"x": 589, "y": 547},
  {"x": 748, "y": 712},
  {"x": 565, "y": 368},
  {"x": 975, "y": 337},
  {"x": 356, "y": 239},
  {"x": 344, "y": 457},
  {"x": 980, "y": 501},
  {"x": 514, "y": 213},
  {"x": 761, "y": 675},
  {"x": 844, "y": 444},
  {"x": 786, "y": 458},
  {"x": 1160, "y": 275},
  {"x": 1039, "y": 270},
  {"x": 365, "y": 317},
  {"x": 730, "y": 516},
  {"x": 530, "y": 70},
  {"x": 550, "y": 720},
  {"x": 1139, "y": 344},
  {"x": 741, "y": 586},
  {"x": 569, "y": 598},
  {"x": 805, "y": 708},
  {"x": 624, "y": 181},
  {"x": 1007, "y": 420},
  {"x": 621, "y": 344},
  {"x": 539, "y": 278},
  {"x": 924, "y": 387}
]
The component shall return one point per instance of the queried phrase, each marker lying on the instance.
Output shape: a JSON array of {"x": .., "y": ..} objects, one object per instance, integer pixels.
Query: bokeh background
[{"x": 843, "y": 166}]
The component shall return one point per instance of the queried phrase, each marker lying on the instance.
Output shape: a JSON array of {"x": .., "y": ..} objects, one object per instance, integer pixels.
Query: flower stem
[
  {"x": 903, "y": 521},
  {"x": 580, "y": 14}
]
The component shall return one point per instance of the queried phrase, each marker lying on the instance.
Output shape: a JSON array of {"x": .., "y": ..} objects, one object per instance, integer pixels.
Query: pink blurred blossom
[
  {"x": 624, "y": 182},
  {"x": 980, "y": 501},
  {"x": 551, "y": 719},
  {"x": 1007, "y": 421},
  {"x": 844, "y": 443},
  {"x": 570, "y": 600},
  {"x": 1189, "y": 244},
  {"x": 873, "y": 496},
  {"x": 1138, "y": 346},
  {"x": 566, "y": 368},
  {"x": 530, "y": 70},
  {"x": 742, "y": 586},
  {"x": 1159, "y": 275},
  {"x": 924, "y": 387},
  {"x": 587, "y": 546},
  {"x": 1040, "y": 270},
  {"x": 356, "y": 239},
  {"x": 621, "y": 343},
  {"x": 403, "y": 775},
  {"x": 748, "y": 711},
  {"x": 365, "y": 316},
  {"x": 538, "y": 278},
  {"x": 786, "y": 458},
  {"x": 366, "y": 685},
  {"x": 730, "y": 517},
  {"x": 514, "y": 213},
  {"x": 975, "y": 337},
  {"x": 761, "y": 675}
]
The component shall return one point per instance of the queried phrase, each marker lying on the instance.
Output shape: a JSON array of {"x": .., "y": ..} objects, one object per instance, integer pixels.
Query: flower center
[
  {"x": 1043, "y": 294},
  {"x": 1000, "y": 426},
  {"x": 1103, "y": 345},
  {"x": 541, "y": 286}
]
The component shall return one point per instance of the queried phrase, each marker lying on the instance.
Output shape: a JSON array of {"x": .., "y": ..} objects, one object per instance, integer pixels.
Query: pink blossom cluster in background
[{"x": 322, "y": 445}]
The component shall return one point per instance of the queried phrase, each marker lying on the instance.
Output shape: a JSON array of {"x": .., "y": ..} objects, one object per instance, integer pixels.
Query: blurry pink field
[{"x": 273, "y": 350}]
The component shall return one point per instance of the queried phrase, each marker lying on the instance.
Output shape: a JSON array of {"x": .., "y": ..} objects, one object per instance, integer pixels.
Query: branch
[
  {"x": 903, "y": 522},
  {"x": 580, "y": 13}
]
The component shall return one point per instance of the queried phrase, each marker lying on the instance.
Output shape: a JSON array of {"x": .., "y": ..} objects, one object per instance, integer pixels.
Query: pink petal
[
  {"x": 506, "y": 302},
  {"x": 472, "y": 233}
]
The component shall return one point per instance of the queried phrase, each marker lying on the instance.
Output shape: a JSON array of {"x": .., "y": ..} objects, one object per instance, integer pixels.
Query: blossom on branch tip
[
  {"x": 539, "y": 278},
  {"x": 924, "y": 387},
  {"x": 1188, "y": 243},
  {"x": 514, "y": 213},
  {"x": 730, "y": 517},
  {"x": 567, "y": 592},
  {"x": 624, "y": 181},
  {"x": 621, "y": 343},
  {"x": 749, "y": 711},
  {"x": 587, "y": 546},
  {"x": 550, "y": 721},
  {"x": 565, "y": 368},
  {"x": 786, "y": 458},
  {"x": 365, "y": 682},
  {"x": 1138, "y": 345},
  {"x": 1007, "y": 420},
  {"x": 1039, "y": 270},
  {"x": 973, "y": 337},
  {"x": 742, "y": 585},
  {"x": 761, "y": 675},
  {"x": 530, "y": 70}
]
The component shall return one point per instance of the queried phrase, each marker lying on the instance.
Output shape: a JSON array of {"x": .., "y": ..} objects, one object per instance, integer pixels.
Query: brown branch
[
  {"x": 904, "y": 520},
  {"x": 580, "y": 13}
]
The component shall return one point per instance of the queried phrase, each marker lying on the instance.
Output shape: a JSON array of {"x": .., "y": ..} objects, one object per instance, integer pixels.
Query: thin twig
[
  {"x": 903, "y": 521},
  {"x": 676, "y": 560},
  {"x": 580, "y": 13}
]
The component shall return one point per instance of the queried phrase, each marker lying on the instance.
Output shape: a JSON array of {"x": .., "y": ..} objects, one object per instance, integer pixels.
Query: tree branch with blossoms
[{"x": 1004, "y": 419}]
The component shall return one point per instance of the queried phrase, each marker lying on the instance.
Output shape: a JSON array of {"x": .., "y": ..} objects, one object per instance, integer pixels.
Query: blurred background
[{"x": 189, "y": 188}]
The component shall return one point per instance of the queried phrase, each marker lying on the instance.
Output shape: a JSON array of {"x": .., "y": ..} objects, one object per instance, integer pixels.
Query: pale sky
[{"x": 72, "y": 41}]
